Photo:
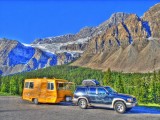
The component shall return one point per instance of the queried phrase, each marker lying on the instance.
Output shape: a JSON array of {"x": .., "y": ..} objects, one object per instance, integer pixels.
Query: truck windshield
[{"x": 110, "y": 90}]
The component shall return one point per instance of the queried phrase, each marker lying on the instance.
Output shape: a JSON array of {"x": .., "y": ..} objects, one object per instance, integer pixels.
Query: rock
[
  {"x": 125, "y": 42},
  {"x": 132, "y": 45},
  {"x": 152, "y": 18},
  {"x": 79, "y": 41},
  {"x": 17, "y": 57}
]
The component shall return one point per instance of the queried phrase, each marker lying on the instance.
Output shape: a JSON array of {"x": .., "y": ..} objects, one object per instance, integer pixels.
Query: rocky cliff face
[
  {"x": 58, "y": 39},
  {"x": 17, "y": 57},
  {"x": 130, "y": 46},
  {"x": 152, "y": 18},
  {"x": 77, "y": 43},
  {"x": 125, "y": 43}
]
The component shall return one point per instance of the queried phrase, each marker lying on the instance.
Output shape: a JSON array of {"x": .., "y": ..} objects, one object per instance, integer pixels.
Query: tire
[
  {"x": 35, "y": 101},
  {"x": 120, "y": 107},
  {"x": 82, "y": 103}
]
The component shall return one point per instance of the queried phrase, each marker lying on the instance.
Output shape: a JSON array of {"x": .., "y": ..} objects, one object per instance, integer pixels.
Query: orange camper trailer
[{"x": 43, "y": 90}]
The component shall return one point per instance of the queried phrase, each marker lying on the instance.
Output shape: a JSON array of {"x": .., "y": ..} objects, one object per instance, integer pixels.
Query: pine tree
[
  {"x": 145, "y": 89},
  {"x": 153, "y": 95},
  {"x": 13, "y": 86},
  {"x": 0, "y": 82},
  {"x": 3, "y": 86},
  {"x": 107, "y": 80},
  {"x": 158, "y": 88},
  {"x": 20, "y": 85},
  {"x": 119, "y": 84}
]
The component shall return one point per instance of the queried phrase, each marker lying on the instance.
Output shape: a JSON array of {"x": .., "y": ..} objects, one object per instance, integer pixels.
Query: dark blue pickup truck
[{"x": 92, "y": 94}]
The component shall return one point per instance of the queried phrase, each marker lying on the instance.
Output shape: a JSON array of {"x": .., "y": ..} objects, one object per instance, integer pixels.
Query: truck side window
[
  {"x": 102, "y": 91},
  {"x": 92, "y": 90},
  {"x": 80, "y": 90},
  {"x": 50, "y": 86}
]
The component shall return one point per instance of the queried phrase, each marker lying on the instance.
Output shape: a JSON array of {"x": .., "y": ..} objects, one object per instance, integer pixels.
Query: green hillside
[{"x": 145, "y": 87}]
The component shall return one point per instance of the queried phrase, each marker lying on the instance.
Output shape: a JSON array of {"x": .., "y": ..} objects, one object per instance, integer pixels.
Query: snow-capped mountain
[
  {"x": 125, "y": 42},
  {"x": 77, "y": 43},
  {"x": 17, "y": 57}
]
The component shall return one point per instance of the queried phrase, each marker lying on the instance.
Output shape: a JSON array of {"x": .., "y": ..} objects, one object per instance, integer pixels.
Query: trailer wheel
[{"x": 35, "y": 100}]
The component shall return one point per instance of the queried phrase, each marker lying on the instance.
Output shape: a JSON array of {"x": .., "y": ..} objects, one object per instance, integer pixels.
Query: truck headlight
[{"x": 130, "y": 100}]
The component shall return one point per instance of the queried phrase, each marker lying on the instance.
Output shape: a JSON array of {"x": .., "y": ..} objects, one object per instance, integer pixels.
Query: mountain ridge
[
  {"x": 120, "y": 48},
  {"x": 125, "y": 42},
  {"x": 85, "y": 34},
  {"x": 17, "y": 57}
]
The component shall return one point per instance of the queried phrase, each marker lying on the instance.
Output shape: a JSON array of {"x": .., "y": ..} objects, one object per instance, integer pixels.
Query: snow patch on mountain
[
  {"x": 56, "y": 47},
  {"x": 147, "y": 28},
  {"x": 27, "y": 45}
]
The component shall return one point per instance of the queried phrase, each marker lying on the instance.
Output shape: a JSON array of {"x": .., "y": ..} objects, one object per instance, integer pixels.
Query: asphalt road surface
[{"x": 13, "y": 108}]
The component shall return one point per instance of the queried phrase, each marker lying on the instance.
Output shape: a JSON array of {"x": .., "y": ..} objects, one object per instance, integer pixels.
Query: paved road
[{"x": 13, "y": 108}]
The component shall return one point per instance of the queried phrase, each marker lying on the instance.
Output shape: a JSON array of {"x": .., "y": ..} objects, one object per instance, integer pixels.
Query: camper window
[
  {"x": 50, "y": 86},
  {"x": 29, "y": 85},
  {"x": 26, "y": 84},
  {"x": 64, "y": 86},
  {"x": 61, "y": 86}
]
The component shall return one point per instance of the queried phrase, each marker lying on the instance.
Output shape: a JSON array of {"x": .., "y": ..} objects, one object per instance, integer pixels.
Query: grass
[
  {"x": 153, "y": 105},
  {"x": 6, "y": 94}
]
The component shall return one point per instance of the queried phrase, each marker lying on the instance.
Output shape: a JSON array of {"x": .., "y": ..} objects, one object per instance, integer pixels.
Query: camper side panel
[{"x": 31, "y": 88}]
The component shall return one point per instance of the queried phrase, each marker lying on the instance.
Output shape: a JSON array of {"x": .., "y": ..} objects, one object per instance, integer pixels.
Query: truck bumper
[{"x": 130, "y": 105}]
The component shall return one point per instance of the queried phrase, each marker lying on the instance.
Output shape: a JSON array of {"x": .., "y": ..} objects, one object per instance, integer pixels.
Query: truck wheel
[
  {"x": 35, "y": 100},
  {"x": 120, "y": 107},
  {"x": 82, "y": 103}
]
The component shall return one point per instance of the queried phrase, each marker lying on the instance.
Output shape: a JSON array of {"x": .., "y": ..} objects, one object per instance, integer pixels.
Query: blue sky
[{"x": 25, "y": 21}]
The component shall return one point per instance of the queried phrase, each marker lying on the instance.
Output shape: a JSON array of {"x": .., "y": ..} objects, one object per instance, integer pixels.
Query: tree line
[{"x": 145, "y": 87}]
